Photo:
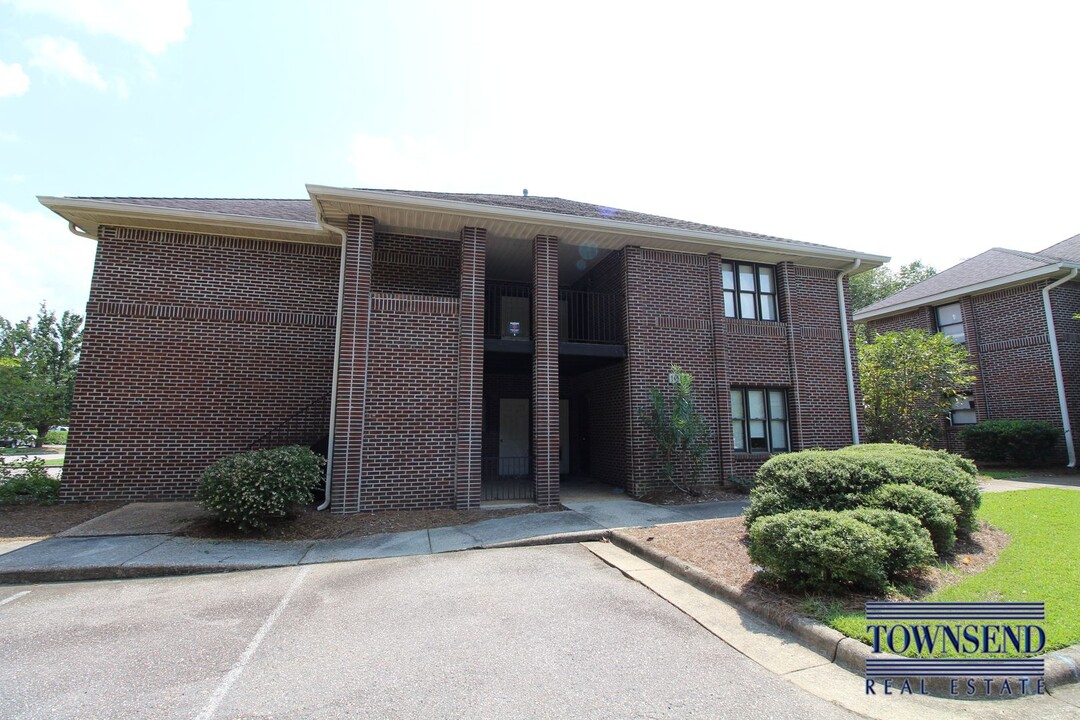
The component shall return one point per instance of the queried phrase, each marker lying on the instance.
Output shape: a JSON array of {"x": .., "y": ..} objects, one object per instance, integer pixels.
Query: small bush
[
  {"x": 820, "y": 550},
  {"x": 245, "y": 490},
  {"x": 56, "y": 437},
  {"x": 1016, "y": 442},
  {"x": 807, "y": 480},
  {"x": 909, "y": 543},
  {"x": 28, "y": 483},
  {"x": 840, "y": 479},
  {"x": 936, "y": 512},
  {"x": 937, "y": 470}
]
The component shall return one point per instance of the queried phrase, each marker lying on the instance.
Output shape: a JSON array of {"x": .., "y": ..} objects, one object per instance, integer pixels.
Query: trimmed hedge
[
  {"x": 820, "y": 549},
  {"x": 245, "y": 490},
  {"x": 841, "y": 479},
  {"x": 936, "y": 512},
  {"x": 1017, "y": 442},
  {"x": 909, "y": 543}
]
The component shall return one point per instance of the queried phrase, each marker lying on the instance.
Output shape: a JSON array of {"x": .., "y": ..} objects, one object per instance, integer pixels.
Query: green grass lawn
[{"x": 1042, "y": 562}]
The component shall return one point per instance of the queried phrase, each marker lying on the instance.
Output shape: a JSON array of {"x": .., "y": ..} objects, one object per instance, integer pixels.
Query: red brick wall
[
  {"x": 545, "y": 405},
  {"x": 194, "y": 346}
]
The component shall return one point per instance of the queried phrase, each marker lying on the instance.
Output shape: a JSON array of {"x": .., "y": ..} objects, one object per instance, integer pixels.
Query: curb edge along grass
[{"x": 1062, "y": 666}]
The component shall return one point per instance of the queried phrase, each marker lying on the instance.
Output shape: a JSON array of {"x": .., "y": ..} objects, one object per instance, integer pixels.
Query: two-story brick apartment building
[
  {"x": 1014, "y": 312},
  {"x": 442, "y": 348}
]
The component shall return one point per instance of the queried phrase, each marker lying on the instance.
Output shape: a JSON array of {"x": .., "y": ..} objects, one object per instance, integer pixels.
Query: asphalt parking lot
[{"x": 547, "y": 632}]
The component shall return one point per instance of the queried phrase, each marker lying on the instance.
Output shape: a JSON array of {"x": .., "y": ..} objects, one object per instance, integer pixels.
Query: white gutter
[
  {"x": 337, "y": 354},
  {"x": 845, "y": 337},
  {"x": 1056, "y": 357}
]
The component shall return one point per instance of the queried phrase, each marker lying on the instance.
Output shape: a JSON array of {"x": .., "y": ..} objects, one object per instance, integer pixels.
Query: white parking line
[
  {"x": 14, "y": 597},
  {"x": 231, "y": 677}
]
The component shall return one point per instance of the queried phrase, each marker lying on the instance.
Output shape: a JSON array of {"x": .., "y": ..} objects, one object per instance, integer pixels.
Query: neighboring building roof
[{"x": 996, "y": 267}]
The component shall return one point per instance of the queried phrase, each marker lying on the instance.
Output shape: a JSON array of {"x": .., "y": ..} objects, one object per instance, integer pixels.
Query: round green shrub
[
  {"x": 245, "y": 490},
  {"x": 937, "y": 470},
  {"x": 1017, "y": 442},
  {"x": 909, "y": 543},
  {"x": 807, "y": 480},
  {"x": 936, "y": 512},
  {"x": 820, "y": 550}
]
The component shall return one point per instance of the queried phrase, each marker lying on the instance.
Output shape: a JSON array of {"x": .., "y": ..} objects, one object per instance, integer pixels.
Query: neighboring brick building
[
  {"x": 1027, "y": 358},
  {"x": 441, "y": 348}
]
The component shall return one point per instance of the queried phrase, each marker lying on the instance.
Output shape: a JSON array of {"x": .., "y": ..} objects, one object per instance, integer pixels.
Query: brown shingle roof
[{"x": 304, "y": 210}]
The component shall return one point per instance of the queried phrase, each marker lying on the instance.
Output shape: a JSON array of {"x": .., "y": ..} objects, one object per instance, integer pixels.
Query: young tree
[
  {"x": 39, "y": 379},
  {"x": 909, "y": 380},
  {"x": 873, "y": 285},
  {"x": 680, "y": 432}
]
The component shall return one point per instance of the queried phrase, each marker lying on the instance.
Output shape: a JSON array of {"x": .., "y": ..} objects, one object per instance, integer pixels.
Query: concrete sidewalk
[{"x": 153, "y": 553}]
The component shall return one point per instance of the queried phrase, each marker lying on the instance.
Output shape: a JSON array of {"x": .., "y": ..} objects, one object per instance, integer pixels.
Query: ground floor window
[
  {"x": 759, "y": 419},
  {"x": 963, "y": 410}
]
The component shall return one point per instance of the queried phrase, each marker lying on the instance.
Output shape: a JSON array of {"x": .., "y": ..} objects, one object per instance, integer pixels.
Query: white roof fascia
[
  {"x": 123, "y": 210},
  {"x": 596, "y": 224},
  {"x": 975, "y": 289}
]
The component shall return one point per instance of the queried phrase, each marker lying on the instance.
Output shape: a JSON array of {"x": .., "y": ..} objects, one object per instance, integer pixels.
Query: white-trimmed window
[
  {"x": 963, "y": 410},
  {"x": 749, "y": 291},
  {"x": 950, "y": 321},
  {"x": 759, "y": 420}
]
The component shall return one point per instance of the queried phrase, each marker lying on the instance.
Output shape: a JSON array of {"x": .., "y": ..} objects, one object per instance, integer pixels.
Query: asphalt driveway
[{"x": 547, "y": 632}]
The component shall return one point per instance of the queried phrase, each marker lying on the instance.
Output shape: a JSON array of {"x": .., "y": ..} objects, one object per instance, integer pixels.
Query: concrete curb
[
  {"x": 1062, "y": 667},
  {"x": 555, "y": 539},
  {"x": 114, "y": 572}
]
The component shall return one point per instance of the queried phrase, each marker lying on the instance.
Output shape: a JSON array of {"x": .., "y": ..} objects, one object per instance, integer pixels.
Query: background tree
[
  {"x": 37, "y": 376},
  {"x": 680, "y": 432},
  {"x": 881, "y": 282},
  {"x": 909, "y": 380}
]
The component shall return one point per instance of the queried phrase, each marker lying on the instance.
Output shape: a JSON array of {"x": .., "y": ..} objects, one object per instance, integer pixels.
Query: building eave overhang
[
  {"x": 89, "y": 215},
  {"x": 1022, "y": 278},
  {"x": 411, "y": 214}
]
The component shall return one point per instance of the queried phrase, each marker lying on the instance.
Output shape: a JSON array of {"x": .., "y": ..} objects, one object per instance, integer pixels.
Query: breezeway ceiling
[{"x": 511, "y": 259}]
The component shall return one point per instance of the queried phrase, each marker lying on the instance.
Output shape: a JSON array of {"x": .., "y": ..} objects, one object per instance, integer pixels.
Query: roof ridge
[{"x": 1030, "y": 256}]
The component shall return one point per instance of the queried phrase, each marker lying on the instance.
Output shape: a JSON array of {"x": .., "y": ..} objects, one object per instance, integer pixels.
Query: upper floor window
[
  {"x": 950, "y": 321},
  {"x": 749, "y": 291}
]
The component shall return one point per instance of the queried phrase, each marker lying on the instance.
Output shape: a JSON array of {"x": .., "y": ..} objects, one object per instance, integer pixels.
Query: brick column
[
  {"x": 354, "y": 295},
  {"x": 545, "y": 400},
  {"x": 785, "y": 280},
  {"x": 724, "y": 446},
  {"x": 470, "y": 368}
]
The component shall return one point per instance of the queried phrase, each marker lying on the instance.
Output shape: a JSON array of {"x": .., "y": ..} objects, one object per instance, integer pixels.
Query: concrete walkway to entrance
[{"x": 132, "y": 542}]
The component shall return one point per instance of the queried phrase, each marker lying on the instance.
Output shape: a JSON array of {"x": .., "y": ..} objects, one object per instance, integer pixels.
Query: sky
[{"x": 916, "y": 130}]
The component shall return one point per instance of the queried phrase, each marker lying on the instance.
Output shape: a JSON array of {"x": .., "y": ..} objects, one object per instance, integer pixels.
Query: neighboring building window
[
  {"x": 950, "y": 321},
  {"x": 749, "y": 291},
  {"x": 759, "y": 420},
  {"x": 963, "y": 410}
]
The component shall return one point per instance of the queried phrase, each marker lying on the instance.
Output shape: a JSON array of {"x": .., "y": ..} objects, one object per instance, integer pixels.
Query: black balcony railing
[
  {"x": 584, "y": 317},
  {"x": 588, "y": 317}
]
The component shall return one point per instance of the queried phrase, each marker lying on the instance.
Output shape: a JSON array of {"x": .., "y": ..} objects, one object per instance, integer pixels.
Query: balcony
[{"x": 585, "y": 318}]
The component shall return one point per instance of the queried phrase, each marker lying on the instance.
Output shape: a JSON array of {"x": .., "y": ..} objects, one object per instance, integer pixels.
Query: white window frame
[{"x": 950, "y": 329}]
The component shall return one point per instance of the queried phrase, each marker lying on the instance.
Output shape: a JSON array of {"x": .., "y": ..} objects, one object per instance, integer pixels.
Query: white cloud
[
  {"x": 42, "y": 261},
  {"x": 151, "y": 25},
  {"x": 13, "y": 81},
  {"x": 64, "y": 57}
]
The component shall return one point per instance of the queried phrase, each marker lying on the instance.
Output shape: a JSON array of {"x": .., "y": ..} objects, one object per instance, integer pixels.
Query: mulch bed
[
  {"x": 310, "y": 524},
  {"x": 705, "y": 494},
  {"x": 718, "y": 547},
  {"x": 33, "y": 522}
]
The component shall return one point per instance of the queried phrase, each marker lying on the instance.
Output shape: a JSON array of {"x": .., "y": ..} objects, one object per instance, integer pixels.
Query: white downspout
[
  {"x": 1066, "y": 425},
  {"x": 79, "y": 231},
  {"x": 337, "y": 353},
  {"x": 845, "y": 337}
]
